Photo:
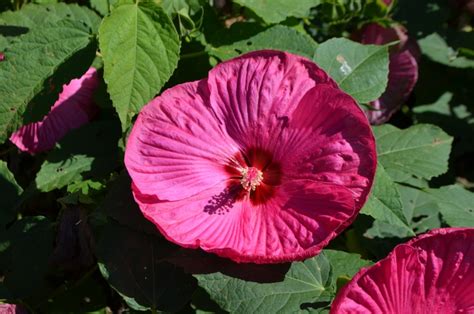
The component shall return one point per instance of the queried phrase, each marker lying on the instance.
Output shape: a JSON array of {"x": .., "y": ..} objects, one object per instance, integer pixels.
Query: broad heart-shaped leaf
[
  {"x": 304, "y": 283},
  {"x": 344, "y": 264},
  {"x": 455, "y": 204},
  {"x": 420, "y": 208},
  {"x": 24, "y": 256},
  {"x": 343, "y": 267},
  {"x": 140, "y": 48},
  {"x": 360, "y": 70},
  {"x": 31, "y": 16},
  {"x": 9, "y": 194},
  {"x": 131, "y": 262},
  {"x": 276, "y": 11},
  {"x": 421, "y": 151},
  {"x": 277, "y": 37},
  {"x": 385, "y": 206},
  {"x": 453, "y": 116},
  {"x": 90, "y": 151},
  {"x": 30, "y": 61},
  {"x": 436, "y": 48}
]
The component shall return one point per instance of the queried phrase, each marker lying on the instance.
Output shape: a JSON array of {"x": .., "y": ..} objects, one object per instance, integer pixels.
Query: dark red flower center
[{"x": 254, "y": 174}]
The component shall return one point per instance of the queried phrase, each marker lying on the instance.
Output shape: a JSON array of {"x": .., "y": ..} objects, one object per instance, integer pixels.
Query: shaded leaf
[
  {"x": 34, "y": 15},
  {"x": 455, "y": 204},
  {"x": 360, "y": 70},
  {"x": 30, "y": 61},
  {"x": 385, "y": 206},
  {"x": 278, "y": 37},
  {"x": 452, "y": 116},
  {"x": 436, "y": 48},
  {"x": 420, "y": 208},
  {"x": 421, "y": 151},
  {"x": 120, "y": 205},
  {"x": 140, "y": 49},
  {"x": 9, "y": 194},
  {"x": 86, "y": 296},
  {"x": 29, "y": 239},
  {"x": 132, "y": 263},
  {"x": 85, "y": 152},
  {"x": 278, "y": 10},
  {"x": 303, "y": 283}
]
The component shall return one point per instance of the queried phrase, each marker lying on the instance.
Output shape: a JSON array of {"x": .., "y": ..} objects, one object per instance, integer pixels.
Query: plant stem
[{"x": 193, "y": 54}]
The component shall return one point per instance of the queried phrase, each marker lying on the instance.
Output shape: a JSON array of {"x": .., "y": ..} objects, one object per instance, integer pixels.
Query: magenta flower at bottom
[
  {"x": 264, "y": 161},
  {"x": 6, "y": 308},
  {"x": 432, "y": 274},
  {"x": 74, "y": 108},
  {"x": 403, "y": 68}
]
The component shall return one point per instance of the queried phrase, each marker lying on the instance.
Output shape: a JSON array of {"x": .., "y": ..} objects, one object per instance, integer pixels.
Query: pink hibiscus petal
[
  {"x": 255, "y": 93},
  {"x": 332, "y": 142},
  {"x": 402, "y": 77},
  {"x": 177, "y": 142},
  {"x": 264, "y": 162},
  {"x": 6, "y": 308},
  {"x": 74, "y": 108},
  {"x": 403, "y": 68},
  {"x": 297, "y": 223},
  {"x": 433, "y": 273}
]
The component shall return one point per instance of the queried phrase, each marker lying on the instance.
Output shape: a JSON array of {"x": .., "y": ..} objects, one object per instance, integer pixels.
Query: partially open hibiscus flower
[
  {"x": 74, "y": 108},
  {"x": 403, "y": 68},
  {"x": 6, "y": 308},
  {"x": 264, "y": 161},
  {"x": 433, "y": 273}
]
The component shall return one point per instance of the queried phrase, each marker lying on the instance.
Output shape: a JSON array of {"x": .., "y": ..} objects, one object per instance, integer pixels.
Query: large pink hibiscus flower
[
  {"x": 74, "y": 108},
  {"x": 264, "y": 161},
  {"x": 433, "y": 273},
  {"x": 403, "y": 68}
]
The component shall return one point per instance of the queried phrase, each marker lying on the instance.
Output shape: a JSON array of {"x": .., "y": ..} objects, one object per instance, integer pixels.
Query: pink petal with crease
[
  {"x": 74, "y": 108},
  {"x": 433, "y": 273},
  {"x": 295, "y": 224}
]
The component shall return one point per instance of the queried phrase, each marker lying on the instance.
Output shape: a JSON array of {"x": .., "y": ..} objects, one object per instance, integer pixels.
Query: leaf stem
[{"x": 193, "y": 54}]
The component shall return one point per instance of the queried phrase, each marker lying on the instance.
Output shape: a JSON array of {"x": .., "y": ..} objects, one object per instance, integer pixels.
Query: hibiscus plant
[{"x": 245, "y": 156}]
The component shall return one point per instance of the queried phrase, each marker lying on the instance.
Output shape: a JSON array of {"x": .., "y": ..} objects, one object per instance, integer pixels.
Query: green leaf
[
  {"x": 186, "y": 7},
  {"x": 455, "y": 204},
  {"x": 276, "y": 11},
  {"x": 25, "y": 261},
  {"x": 84, "y": 152},
  {"x": 101, "y": 6},
  {"x": 9, "y": 194},
  {"x": 140, "y": 48},
  {"x": 33, "y": 15},
  {"x": 436, "y": 48},
  {"x": 420, "y": 208},
  {"x": 421, "y": 151},
  {"x": 453, "y": 116},
  {"x": 343, "y": 266},
  {"x": 30, "y": 61},
  {"x": 303, "y": 283},
  {"x": 132, "y": 263},
  {"x": 87, "y": 296},
  {"x": 385, "y": 206},
  {"x": 360, "y": 70},
  {"x": 278, "y": 37}
]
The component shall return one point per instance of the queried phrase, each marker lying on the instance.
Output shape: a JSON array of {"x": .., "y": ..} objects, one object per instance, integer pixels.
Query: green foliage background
[{"x": 72, "y": 240}]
